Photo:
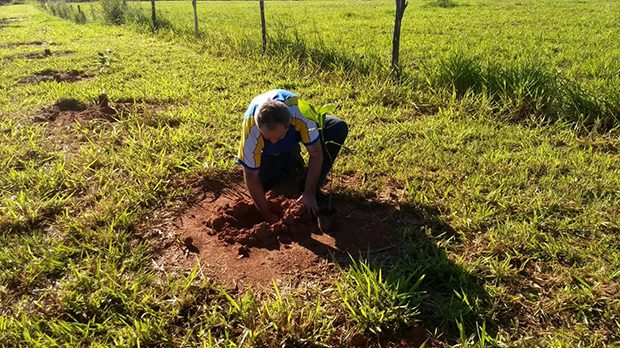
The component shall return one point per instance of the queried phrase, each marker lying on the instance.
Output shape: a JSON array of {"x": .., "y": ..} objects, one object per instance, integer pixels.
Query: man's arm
[
  {"x": 315, "y": 164},
  {"x": 258, "y": 194}
]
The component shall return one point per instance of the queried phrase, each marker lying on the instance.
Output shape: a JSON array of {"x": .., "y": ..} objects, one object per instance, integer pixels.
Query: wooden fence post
[
  {"x": 262, "y": 19},
  {"x": 195, "y": 18},
  {"x": 153, "y": 14},
  {"x": 400, "y": 11}
]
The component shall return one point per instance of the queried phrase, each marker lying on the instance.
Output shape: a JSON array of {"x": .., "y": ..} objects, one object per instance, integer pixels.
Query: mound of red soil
[
  {"x": 52, "y": 75},
  {"x": 67, "y": 111},
  {"x": 40, "y": 55},
  {"x": 31, "y": 43},
  {"x": 225, "y": 231},
  {"x": 241, "y": 222}
]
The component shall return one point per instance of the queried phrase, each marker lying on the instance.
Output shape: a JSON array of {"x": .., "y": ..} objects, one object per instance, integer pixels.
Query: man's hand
[
  {"x": 309, "y": 201},
  {"x": 314, "y": 170},
  {"x": 258, "y": 195}
]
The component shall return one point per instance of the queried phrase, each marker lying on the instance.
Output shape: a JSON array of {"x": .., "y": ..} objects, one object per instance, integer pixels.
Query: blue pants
[{"x": 273, "y": 166}]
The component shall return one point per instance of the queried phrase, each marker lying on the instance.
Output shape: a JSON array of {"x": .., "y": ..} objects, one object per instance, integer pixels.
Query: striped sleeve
[
  {"x": 251, "y": 146},
  {"x": 308, "y": 129}
]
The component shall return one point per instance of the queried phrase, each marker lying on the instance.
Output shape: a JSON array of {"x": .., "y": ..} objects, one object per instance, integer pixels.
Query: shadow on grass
[
  {"x": 293, "y": 45},
  {"x": 417, "y": 248},
  {"x": 399, "y": 244},
  {"x": 527, "y": 88}
]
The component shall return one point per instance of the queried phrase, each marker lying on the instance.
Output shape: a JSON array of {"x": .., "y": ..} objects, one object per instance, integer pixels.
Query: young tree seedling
[{"x": 318, "y": 115}]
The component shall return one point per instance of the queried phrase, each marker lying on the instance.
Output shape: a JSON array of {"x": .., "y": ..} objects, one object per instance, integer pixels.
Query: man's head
[{"x": 273, "y": 120}]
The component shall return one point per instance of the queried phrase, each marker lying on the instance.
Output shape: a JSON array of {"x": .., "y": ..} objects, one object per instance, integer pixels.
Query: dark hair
[{"x": 271, "y": 113}]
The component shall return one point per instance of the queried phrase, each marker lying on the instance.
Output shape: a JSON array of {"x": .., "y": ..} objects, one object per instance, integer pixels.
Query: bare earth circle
[{"x": 226, "y": 233}]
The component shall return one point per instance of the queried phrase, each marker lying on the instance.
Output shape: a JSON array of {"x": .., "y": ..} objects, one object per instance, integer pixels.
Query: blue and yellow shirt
[{"x": 252, "y": 142}]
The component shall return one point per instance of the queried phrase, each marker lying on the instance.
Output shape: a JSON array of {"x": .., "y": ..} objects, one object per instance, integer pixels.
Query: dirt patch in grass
[
  {"x": 8, "y": 22},
  {"x": 49, "y": 75},
  {"x": 241, "y": 222},
  {"x": 69, "y": 111},
  {"x": 39, "y": 55},
  {"x": 226, "y": 233},
  {"x": 31, "y": 43},
  {"x": 11, "y": 19}
]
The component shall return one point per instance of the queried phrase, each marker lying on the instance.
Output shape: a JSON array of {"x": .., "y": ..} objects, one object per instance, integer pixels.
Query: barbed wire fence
[{"x": 119, "y": 9}]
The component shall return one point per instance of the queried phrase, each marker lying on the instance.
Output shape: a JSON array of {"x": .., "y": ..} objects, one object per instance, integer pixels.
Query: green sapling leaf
[
  {"x": 308, "y": 111},
  {"x": 327, "y": 108}
]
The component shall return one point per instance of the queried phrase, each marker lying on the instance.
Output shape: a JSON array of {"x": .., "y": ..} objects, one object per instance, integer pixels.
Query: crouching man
[{"x": 272, "y": 128}]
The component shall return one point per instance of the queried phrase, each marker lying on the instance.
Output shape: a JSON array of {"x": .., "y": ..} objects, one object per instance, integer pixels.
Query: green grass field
[
  {"x": 500, "y": 135},
  {"x": 573, "y": 42}
]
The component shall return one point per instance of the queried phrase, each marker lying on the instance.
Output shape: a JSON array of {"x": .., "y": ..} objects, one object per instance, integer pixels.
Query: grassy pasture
[
  {"x": 564, "y": 51},
  {"x": 518, "y": 221},
  {"x": 522, "y": 59},
  {"x": 575, "y": 36}
]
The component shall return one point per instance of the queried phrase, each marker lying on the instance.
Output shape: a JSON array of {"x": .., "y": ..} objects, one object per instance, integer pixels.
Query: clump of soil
[
  {"x": 49, "y": 75},
  {"x": 40, "y": 55},
  {"x": 6, "y": 22},
  {"x": 241, "y": 222},
  {"x": 31, "y": 43},
  {"x": 67, "y": 111},
  {"x": 358, "y": 340},
  {"x": 226, "y": 233},
  {"x": 413, "y": 337}
]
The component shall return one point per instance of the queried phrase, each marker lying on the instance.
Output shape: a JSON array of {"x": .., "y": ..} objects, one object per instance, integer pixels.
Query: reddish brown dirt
[
  {"x": 358, "y": 340},
  {"x": 57, "y": 76},
  {"x": 227, "y": 234},
  {"x": 413, "y": 338},
  {"x": 32, "y": 43},
  {"x": 68, "y": 111},
  {"x": 241, "y": 222},
  {"x": 39, "y": 55}
]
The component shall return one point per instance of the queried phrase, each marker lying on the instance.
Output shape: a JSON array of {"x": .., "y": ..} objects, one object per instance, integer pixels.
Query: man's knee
[
  {"x": 338, "y": 129},
  {"x": 343, "y": 129}
]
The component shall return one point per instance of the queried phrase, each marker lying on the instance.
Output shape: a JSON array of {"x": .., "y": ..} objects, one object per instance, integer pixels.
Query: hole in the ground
[
  {"x": 378, "y": 227},
  {"x": 67, "y": 110},
  {"x": 241, "y": 222},
  {"x": 31, "y": 43},
  {"x": 46, "y": 53},
  {"x": 228, "y": 234},
  {"x": 49, "y": 75},
  {"x": 10, "y": 22},
  {"x": 68, "y": 104}
]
